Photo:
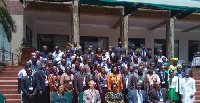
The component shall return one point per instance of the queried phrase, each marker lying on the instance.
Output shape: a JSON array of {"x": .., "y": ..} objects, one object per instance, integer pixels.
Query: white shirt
[
  {"x": 174, "y": 83},
  {"x": 22, "y": 73},
  {"x": 57, "y": 56},
  {"x": 187, "y": 87}
]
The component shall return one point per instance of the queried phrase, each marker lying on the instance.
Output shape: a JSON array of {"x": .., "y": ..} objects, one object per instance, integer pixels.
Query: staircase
[
  {"x": 196, "y": 75},
  {"x": 9, "y": 84}
]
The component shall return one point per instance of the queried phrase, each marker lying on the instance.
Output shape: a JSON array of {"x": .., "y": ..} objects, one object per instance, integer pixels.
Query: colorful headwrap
[{"x": 174, "y": 59}]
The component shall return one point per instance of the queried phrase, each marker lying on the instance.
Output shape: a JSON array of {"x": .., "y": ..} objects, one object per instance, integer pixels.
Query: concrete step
[
  {"x": 12, "y": 69},
  {"x": 9, "y": 91},
  {"x": 197, "y": 93},
  {"x": 12, "y": 96},
  {"x": 14, "y": 66},
  {"x": 8, "y": 82},
  {"x": 197, "y": 97},
  {"x": 9, "y": 75},
  {"x": 10, "y": 72},
  {"x": 197, "y": 101},
  {"x": 8, "y": 86},
  {"x": 13, "y": 100},
  {"x": 8, "y": 78}
]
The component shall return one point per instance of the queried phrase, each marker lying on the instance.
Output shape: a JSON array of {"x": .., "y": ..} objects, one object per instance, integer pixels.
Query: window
[
  {"x": 160, "y": 44},
  {"x": 4, "y": 44},
  {"x": 95, "y": 42},
  {"x": 139, "y": 42},
  {"x": 194, "y": 46},
  {"x": 52, "y": 40}
]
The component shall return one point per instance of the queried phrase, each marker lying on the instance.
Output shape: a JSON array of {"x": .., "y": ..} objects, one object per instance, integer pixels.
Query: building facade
[{"x": 51, "y": 24}]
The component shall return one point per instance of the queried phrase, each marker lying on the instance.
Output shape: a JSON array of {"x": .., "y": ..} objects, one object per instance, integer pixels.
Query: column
[
  {"x": 75, "y": 21},
  {"x": 170, "y": 38},
  {"x": 124, "y": 30}
]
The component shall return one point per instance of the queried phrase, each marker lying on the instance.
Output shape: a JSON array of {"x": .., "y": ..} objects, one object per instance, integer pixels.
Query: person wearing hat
[{"x": 174, "y": 65}]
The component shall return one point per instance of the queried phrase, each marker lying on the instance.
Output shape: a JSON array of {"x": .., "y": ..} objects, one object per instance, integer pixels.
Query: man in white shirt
[
  {"x": 57, "y": 55},
  {"x": 187, "y": 88}
]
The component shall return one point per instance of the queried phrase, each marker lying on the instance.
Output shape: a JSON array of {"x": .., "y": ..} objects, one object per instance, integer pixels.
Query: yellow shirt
[{"x": 115, "y": 79}]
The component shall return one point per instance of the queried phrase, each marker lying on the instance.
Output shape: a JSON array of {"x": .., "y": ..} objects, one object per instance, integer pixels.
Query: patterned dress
[
  {"x": 114, "y": 97},
  {"x": 53, "y": 82},
  {"x": 103, "y": 81}
]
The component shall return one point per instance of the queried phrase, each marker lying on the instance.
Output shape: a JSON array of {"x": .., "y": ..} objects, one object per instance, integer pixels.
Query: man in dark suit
[
  {"x": 142, "y": 78},
  {"x": 130, "y": 56},
  {"x": 35, "y": 64},
  {"x": 118, "y": 48},
  {"x": 137, "y": 95},
  {"x": 144, "y": 52},
  {"x": 44, "y": 54},
  {"x": 159, "y": 94},
  {"x": 185, "y": 68},
  {"x": 88, "y": 55},
  {"x": 128, "y": 82},
  {"x": 120, "y": 54},
  {"x": 28, "y": 87},
  {"x": 163, "y": 78},
  {"x": 42, "y": 85},
  {"x": 80, "y": 82}
]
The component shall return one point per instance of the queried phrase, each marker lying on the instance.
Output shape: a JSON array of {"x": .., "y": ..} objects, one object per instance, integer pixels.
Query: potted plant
[{"x": 24, "y": 51}]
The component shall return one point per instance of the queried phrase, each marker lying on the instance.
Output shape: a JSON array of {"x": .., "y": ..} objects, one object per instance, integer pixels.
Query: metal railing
[
  {"x": 9, "y": 57},
  {"x": 196, "y": 60}
]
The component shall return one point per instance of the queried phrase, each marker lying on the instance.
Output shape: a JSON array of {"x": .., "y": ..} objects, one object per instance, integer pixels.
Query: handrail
[
  {"x": 9, "y": 52},
  {"x": 11, "y": 56}
]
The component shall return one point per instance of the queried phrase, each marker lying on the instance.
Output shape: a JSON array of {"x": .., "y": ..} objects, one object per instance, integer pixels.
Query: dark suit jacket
[
  {"x": 131, "y": 82},
  {"x": 40, "y": 79},
  {"x": 129, "y": 58},
  {"x": 73, "y": 50},
  {"x": 85, "y": 57},
  {"x": 133, "y": 97},
  {"x": 118, "y": 56},
  {"x": 117, "y": 50},
  {"x": 25, "y": 84},
  {"x": 154, "y": 95},
  {"x": 38, "y": 66},
  {"x": 78, "y": 82},
  {"x": 190, "y": 70},
  {"x": 146, "y": 87},
  {"x": 165, "y": 85}
]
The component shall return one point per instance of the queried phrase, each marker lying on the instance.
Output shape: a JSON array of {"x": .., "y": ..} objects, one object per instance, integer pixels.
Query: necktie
[
  {"x": 163, "y": 75},
  {"x": 140, "y": 96},
  {"x": 160, "y": 95},
  {"x": 31, "y": 81}
]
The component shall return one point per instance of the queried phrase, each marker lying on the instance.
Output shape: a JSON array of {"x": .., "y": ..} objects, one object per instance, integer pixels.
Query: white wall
[{"x": 18, "y": 35}]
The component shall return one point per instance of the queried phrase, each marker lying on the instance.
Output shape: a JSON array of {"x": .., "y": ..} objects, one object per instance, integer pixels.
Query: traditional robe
[{"x": 187, "y": 88}]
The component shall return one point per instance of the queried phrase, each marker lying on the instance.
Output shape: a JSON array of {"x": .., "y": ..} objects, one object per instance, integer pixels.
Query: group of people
[{"x": 113, "y": 76}]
